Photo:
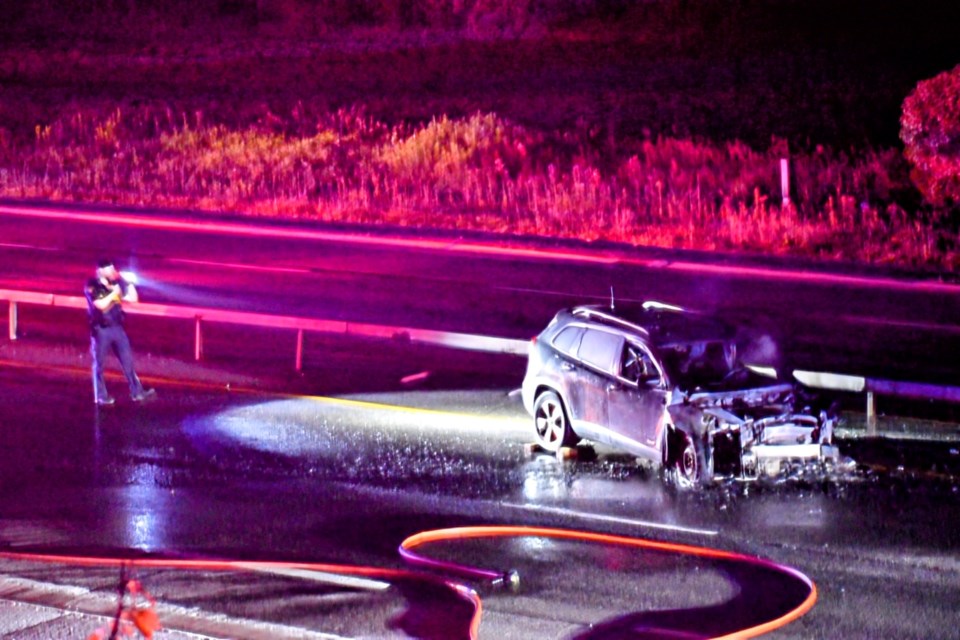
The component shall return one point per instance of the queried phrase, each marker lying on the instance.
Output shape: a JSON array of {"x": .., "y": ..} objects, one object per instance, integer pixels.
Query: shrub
[
  {"x": 930, "y": 130},
  {"x": 481, "y": 172},
  {"x": 446, "y": 153}
]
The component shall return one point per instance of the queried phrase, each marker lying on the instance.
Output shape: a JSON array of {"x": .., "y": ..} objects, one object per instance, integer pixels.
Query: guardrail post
[
  {"x": 871, "y": 414},
  {"x": 13, "y": 320},
  {"x": 197, "y": 340},
  {"x": 298, "y": 363}
]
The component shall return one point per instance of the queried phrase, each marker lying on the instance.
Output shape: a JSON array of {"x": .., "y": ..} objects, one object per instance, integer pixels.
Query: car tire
[
  {"x": 551, "y": 423},
  {"x": 685, "y": 463}
]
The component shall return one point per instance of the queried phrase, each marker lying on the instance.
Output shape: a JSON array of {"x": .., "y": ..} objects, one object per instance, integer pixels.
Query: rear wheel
[{"x": 551, "y": 424}]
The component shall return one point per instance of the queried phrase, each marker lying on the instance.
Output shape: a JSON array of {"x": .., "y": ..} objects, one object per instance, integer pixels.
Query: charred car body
[{"x": 668, "y": 385}]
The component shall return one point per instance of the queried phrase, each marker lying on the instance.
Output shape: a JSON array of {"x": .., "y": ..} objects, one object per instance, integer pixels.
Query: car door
[
  {"x": 565, "y": 367},
  {"x": 637, "y": 400},
  {"x": 598, "y": 353}
]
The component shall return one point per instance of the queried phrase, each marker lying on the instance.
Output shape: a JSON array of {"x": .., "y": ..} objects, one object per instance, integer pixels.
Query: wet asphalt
[{"x": 321, "y": 475}]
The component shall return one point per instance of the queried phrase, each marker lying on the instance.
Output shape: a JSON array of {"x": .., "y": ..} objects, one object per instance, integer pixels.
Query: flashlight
[{"x": 130, "y": 277}]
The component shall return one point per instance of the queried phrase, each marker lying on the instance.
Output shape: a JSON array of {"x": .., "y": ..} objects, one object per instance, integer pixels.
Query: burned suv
[{"x": 669, "y": 385}]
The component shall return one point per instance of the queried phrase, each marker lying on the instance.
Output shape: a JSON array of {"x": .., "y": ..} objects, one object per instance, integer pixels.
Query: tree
[{"x": 930, "y": 130}]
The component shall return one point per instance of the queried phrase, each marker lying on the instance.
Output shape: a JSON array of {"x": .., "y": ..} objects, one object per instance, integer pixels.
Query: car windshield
[{"x": 700, "y": 364}]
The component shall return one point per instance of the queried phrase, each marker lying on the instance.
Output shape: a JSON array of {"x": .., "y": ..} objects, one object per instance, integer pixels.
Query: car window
[
  {"x": 601, "y": 349},
  {"x": 636, "y": 365},
  {"x": 700, "y": 363},
  {"x": 568, "y": 340}
]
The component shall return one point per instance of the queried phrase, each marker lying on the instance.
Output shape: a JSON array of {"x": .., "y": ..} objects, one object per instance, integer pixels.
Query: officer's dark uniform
[{"x": 107, "y": 334}]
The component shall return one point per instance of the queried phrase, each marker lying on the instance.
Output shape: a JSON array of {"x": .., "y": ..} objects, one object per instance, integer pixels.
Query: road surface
[
  {"x": 379, "y": 440},
  {"x": 206, "y": 472},
  {"x": 849, "y": 320}
]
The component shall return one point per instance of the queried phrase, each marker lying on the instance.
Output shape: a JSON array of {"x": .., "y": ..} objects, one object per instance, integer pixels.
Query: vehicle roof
[{"x": 661, "y": 324}]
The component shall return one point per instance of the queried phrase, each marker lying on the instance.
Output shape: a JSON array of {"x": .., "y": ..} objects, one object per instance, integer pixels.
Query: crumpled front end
[
  {"x": 768, "y": 444},
  {"x": 756, "y": 432}
]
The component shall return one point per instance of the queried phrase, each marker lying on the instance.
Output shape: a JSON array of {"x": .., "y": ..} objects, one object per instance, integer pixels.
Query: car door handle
[{"x": 566, "y": 366}]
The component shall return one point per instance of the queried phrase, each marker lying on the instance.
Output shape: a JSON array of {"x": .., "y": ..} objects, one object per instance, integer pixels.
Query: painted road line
[
  {"x": 239, "y": 229},
  {"x": 480, "y": 421},
  {"x": 346, "y": 403},
  {"x": 814, "y": 277},
  {"x": 901, "y": 324},
  {"x": 477, "y": 248},
  {"x": 92, "y": 605},
  {"x": 415, "y": 377},
  {"x": 237, "y": 265},
  {"x": 10, "y": 245},
  {"x": 597, "y": 517},
  {"x": 572, "y": 255},
  {"x": 152, "y": 379},
  {"x": 336, "y": 579}
]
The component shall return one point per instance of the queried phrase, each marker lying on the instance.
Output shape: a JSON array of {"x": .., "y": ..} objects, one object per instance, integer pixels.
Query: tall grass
[{"x": 483, "y": 172}]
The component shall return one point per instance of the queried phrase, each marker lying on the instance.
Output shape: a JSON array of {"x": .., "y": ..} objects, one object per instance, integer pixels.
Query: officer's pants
[{"x": 105, "y": 340}]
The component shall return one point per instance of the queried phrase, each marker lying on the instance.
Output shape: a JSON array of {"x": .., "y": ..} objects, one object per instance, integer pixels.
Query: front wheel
[
  {"x": 551, "y": 424},
  {"x": 685, "y": 463}
]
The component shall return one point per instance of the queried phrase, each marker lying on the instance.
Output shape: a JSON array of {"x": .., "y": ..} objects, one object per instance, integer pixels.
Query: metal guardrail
[
  {"x": 200, "y": 315},
  {"x": 860, "y": 384},
  {"x": 468, "y": 341},
  {"x": 873, "y": 387}
]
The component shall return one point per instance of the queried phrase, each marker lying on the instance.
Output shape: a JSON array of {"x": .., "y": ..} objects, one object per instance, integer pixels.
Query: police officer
[{"x": 106, "y": 292}]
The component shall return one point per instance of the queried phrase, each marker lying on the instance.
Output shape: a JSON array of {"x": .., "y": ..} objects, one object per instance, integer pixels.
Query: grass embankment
[
  {"x": 482, "y": 172},
  {"x": 586, "y": 131}
]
